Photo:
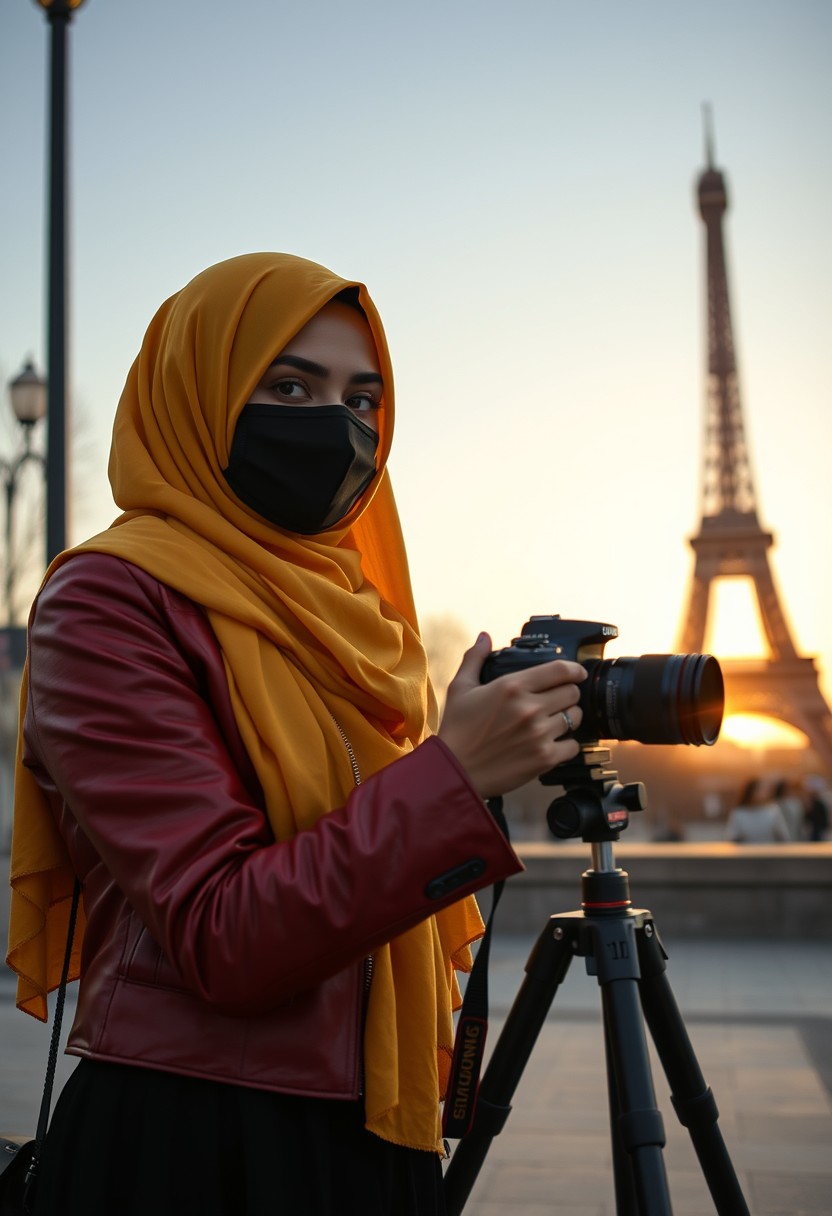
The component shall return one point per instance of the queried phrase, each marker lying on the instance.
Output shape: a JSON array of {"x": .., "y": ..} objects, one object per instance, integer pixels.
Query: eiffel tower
[{"x": 731, "y": 540}]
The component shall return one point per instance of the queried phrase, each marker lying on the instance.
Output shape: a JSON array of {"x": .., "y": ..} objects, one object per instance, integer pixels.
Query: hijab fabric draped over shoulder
[{"x": 317, "y": 633}]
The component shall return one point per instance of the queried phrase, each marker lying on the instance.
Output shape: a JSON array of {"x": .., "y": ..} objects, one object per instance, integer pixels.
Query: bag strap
[
  {"x": 52, "y": 1062},
  {"x": 472, "y": 1026}
]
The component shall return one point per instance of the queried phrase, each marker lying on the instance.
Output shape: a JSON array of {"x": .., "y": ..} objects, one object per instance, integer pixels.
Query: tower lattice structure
[{"x": 731, "y": 540}]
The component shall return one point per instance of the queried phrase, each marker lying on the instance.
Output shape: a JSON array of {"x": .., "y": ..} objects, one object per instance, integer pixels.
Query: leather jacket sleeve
[{"x": 130, "y": 732}]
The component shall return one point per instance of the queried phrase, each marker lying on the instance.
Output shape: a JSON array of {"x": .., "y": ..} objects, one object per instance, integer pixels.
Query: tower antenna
[{"x": 708, "y": 123}]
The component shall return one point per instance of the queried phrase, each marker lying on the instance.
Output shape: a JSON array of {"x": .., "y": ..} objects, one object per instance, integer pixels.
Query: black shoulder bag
[{"x": 19, "y": 1163}]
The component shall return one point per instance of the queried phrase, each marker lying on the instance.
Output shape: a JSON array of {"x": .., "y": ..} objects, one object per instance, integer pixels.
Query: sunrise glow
[
  {"x": 735, "y": 626},
  {"x": 760, "y": 733}
]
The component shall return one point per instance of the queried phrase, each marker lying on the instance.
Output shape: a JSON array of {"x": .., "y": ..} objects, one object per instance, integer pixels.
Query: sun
[
  {"x": 757, "y": 732},
  {"x": 735, "y": 630}
]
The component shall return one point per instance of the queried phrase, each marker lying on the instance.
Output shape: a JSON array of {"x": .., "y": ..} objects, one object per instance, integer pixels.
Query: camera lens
[{"x": 657, "y": 698}]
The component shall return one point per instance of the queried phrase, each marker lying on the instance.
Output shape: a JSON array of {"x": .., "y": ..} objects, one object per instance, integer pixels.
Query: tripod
[{"x": 622, "y": 948}]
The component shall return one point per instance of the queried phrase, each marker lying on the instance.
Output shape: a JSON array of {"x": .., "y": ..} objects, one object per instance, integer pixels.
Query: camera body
[{"x": 655, "y": 698}]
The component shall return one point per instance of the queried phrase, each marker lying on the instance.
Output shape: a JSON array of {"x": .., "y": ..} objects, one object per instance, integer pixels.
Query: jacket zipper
[{"x": 356, "y": 772}]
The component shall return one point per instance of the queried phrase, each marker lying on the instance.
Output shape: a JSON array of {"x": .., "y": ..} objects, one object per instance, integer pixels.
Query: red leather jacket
[{"x": 210, "y": 949}]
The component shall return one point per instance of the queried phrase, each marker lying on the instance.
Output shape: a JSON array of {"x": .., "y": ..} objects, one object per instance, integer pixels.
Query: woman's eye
[
  {"x": 293, "y": 389},
  {"x": 362, "y": 401}
]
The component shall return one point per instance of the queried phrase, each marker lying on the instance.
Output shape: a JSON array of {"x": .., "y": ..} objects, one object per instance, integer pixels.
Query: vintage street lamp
[{"x": 27, "y": 392}]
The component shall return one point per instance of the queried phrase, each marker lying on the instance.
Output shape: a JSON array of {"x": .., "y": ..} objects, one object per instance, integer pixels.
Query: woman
[
  {"x": 756, "y": 819},
  {"x": 228, "y": 737}
]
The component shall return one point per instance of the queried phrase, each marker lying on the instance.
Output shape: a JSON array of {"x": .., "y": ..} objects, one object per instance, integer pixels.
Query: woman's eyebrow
[
  {"x": 302, "y": 365},
  {"x": 318, "y": 369}
]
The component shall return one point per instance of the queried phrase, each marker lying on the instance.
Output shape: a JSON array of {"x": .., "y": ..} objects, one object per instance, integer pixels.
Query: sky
[{"x": 516, "y": 185}]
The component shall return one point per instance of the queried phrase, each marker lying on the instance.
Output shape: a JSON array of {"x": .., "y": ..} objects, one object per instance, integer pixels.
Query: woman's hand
[{"x": 510, "y": 730}]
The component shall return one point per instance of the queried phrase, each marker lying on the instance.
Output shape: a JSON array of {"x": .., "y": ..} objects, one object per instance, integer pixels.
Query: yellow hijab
[{"x": 316, "y": 633}]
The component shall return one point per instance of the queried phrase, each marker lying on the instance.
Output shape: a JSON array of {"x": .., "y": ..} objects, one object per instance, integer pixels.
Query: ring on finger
[{"x": 570, "y": 725}]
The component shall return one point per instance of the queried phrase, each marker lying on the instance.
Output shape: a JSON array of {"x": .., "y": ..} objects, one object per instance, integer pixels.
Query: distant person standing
[
  {"x": 790, "y": 797},
  {"x": 756, "y": 819},
  {"x": 816, "y": 813}
]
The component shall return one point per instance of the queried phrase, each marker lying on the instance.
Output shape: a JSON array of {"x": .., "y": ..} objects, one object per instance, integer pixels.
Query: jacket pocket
[{"x": 144, "y": 962}]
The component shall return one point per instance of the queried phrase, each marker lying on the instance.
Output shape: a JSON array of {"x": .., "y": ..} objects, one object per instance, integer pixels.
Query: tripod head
[{"x": 594, "y": 805}]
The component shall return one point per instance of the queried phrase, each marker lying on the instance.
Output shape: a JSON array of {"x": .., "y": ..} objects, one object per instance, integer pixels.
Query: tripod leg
[
  {"x": 545, "y": 970},
  {"x": 626, "y": 1203},
  {"x": 639, "y": 1124},
  {"x": 692, "y": 1099}
]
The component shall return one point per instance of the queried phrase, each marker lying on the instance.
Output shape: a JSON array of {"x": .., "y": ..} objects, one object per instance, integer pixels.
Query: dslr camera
[{"x": 655, "y": 698}]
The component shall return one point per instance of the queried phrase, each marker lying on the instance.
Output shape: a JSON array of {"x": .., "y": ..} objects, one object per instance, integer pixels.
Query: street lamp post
[
  {"x": 59, "y": 15},
  {"x": 28, "y": 397}
]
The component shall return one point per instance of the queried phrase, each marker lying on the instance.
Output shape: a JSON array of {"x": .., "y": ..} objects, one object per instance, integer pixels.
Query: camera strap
[{"x": 472, "y": 1027}]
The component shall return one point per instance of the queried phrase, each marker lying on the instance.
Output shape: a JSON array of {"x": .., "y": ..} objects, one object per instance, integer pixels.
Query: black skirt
[{"x": 138, "y": 1142}]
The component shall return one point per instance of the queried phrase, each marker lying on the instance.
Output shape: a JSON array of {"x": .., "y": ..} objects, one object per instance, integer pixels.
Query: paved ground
[
  {"x": 759, "y": 1016},
  {"x": 760, "y": 1019}
]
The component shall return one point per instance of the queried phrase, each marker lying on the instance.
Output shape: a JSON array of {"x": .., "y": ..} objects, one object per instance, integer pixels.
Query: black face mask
[{"x": 301, "y": 467}]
